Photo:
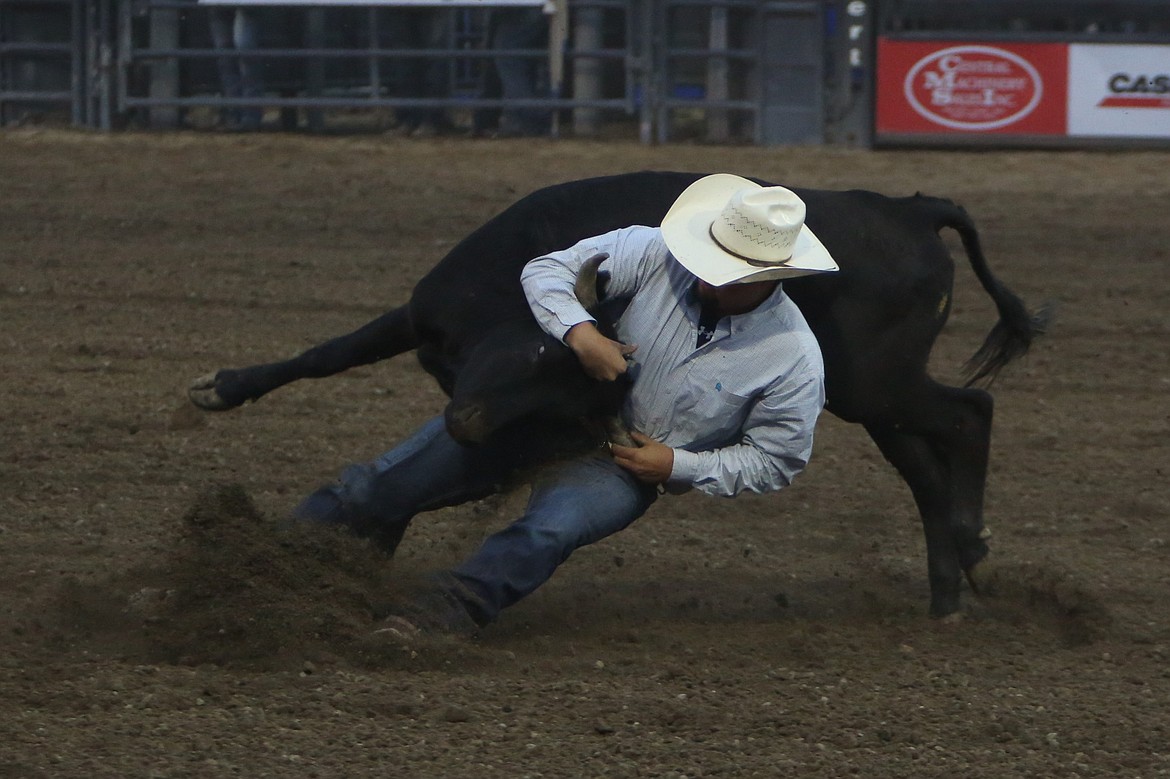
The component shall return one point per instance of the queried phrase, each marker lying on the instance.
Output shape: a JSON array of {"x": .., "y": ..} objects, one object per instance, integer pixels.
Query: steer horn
[{"x": 586, "y": 285}]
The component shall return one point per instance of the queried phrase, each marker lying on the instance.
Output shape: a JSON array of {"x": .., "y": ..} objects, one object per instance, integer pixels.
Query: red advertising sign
[{"x": 949, "y": 87}]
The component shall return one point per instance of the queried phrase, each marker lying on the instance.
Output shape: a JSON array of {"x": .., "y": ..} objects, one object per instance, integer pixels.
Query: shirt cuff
[
  {"x": 686, "y": 467},
  {"x": 564, "y": 321}
]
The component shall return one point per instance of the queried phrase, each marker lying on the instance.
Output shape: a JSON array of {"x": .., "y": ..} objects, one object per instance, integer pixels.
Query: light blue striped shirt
[{"x": 739, "y": 411}]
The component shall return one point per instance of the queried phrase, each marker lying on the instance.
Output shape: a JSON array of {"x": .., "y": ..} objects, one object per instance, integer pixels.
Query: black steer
[{"x": 876, "y": 321}]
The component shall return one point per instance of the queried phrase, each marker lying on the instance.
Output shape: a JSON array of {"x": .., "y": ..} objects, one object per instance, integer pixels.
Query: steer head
[{"x": 518, "y": 371}]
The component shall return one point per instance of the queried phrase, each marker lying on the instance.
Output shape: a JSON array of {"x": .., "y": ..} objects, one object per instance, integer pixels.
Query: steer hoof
[
  {"x": 203, "y": 393},
  {"x": 954, "y": 618},
  {"x": 983, "y": 577}
]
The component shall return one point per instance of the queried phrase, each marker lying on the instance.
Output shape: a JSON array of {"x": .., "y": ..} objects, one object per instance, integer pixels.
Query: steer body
[{"x": 876, "y": 321}]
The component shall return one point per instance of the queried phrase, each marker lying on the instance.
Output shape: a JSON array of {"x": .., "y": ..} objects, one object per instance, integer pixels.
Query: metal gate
[
  {"x": 764, "y": 71},
  {"x": 44, "y": 50}
]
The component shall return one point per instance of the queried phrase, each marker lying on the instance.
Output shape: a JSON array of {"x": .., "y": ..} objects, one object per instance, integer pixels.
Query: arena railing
[{"x": 162, "y": 41}]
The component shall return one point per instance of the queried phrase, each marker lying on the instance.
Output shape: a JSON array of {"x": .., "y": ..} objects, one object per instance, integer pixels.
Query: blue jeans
[
  {"x": 520, "y": 28},
  {"x": 239, "y": 76},
  {"x": 425, "y": 29},
  {"x": 574, "y": 502}
]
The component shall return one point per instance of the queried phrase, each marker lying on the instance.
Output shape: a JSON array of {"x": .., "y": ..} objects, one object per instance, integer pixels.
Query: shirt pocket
[{"x": 710, "y": 410}]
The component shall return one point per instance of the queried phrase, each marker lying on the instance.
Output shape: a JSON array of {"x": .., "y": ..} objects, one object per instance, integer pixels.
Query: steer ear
[{"x": 586, "y": 285}]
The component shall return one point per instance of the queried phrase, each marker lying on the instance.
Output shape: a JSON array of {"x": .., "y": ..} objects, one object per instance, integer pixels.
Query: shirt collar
[{"x": 736, "y": 322}]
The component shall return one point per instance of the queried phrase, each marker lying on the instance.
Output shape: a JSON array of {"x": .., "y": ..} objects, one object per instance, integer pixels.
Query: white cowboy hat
[{"x": 728, "y": 230}]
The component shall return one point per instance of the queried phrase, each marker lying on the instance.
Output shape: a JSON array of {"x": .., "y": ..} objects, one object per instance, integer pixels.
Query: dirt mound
[
  {"x": 239, "y": 589},
  {"x": 1038, "y": 594}
]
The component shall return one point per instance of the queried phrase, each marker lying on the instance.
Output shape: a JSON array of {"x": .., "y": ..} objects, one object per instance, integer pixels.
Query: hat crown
[
  {"x": 726, "y": 229},
  {"x": 760, "y": 225}
]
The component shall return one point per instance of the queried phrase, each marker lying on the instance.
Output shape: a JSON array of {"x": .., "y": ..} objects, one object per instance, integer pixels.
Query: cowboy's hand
[
  {"x": 650, "y": 461},
  {"x": 602, "y": 358}
]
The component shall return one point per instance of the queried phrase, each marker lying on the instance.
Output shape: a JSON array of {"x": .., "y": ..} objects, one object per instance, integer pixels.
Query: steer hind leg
[
  {"x": 925, "y": 474},
  {"x": 941, "y": 451}
]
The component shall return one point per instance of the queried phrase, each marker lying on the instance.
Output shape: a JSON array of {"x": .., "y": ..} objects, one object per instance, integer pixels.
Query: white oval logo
[{"x": 973, "y": 87}]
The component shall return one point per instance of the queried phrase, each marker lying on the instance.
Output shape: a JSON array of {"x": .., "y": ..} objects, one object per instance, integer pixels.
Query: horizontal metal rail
[
  {"x": 706, "y": 54},
  {"x": 1003, "y": 36},
  {"x": 324, "y": 101},
  {"x": 36, "y": 49},
  {"x": 362, "y": 54},
  {"x": 682, "y": 102},
  {"x": 23, "y": 96}
]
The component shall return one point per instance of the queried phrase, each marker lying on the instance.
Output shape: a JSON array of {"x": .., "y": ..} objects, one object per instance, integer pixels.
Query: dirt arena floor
[{"x": 155, "y": 622}]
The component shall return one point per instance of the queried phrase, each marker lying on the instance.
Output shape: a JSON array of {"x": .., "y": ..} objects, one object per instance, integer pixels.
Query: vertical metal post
[
  {"x": 375, "y": 64},
  {"x": 758, "y": 75},
  {"x": 77, "y": 63},
  {"x": 718, "y": 127},
  {"x": 164, "y": 73},
  {"x": 655, "y": 38},
  {"x": 92, "y": 62},
  {"x": 5, "y": 78},
  {"x": 587, "y": 70},
  {"x": 125, "y": 42},
  {"x": 105, "y": 63},
  {"x": 558, "y": 33},
  {"x": 315, "y": 67},
  {"x": 637, "y": 66},
  {"x": 852, "y": 98}
]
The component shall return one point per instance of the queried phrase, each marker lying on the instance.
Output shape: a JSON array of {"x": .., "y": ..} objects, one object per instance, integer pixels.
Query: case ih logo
[
  {"x": 1132, "y": 90},
  {"x": 973, "y": 87}
]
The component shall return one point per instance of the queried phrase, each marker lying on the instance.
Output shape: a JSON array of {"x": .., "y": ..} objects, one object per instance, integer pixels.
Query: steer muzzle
[{"x": 467, "y": 423}]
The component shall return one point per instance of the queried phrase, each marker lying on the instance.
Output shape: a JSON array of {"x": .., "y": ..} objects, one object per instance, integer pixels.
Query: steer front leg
[
  {"x": 388, "y": 335},
  {"x": 223, "y": 390}
]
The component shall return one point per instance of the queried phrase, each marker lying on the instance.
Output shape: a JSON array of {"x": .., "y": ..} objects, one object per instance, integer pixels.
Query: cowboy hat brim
[{"x": 686, "y": 228}]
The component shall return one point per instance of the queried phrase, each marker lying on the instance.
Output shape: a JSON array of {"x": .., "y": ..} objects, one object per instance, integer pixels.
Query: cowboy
[{"x": 727, "y": 385}]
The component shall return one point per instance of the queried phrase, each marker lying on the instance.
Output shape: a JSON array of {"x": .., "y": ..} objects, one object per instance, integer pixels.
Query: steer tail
[{"x": 1012, "y": 335}]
